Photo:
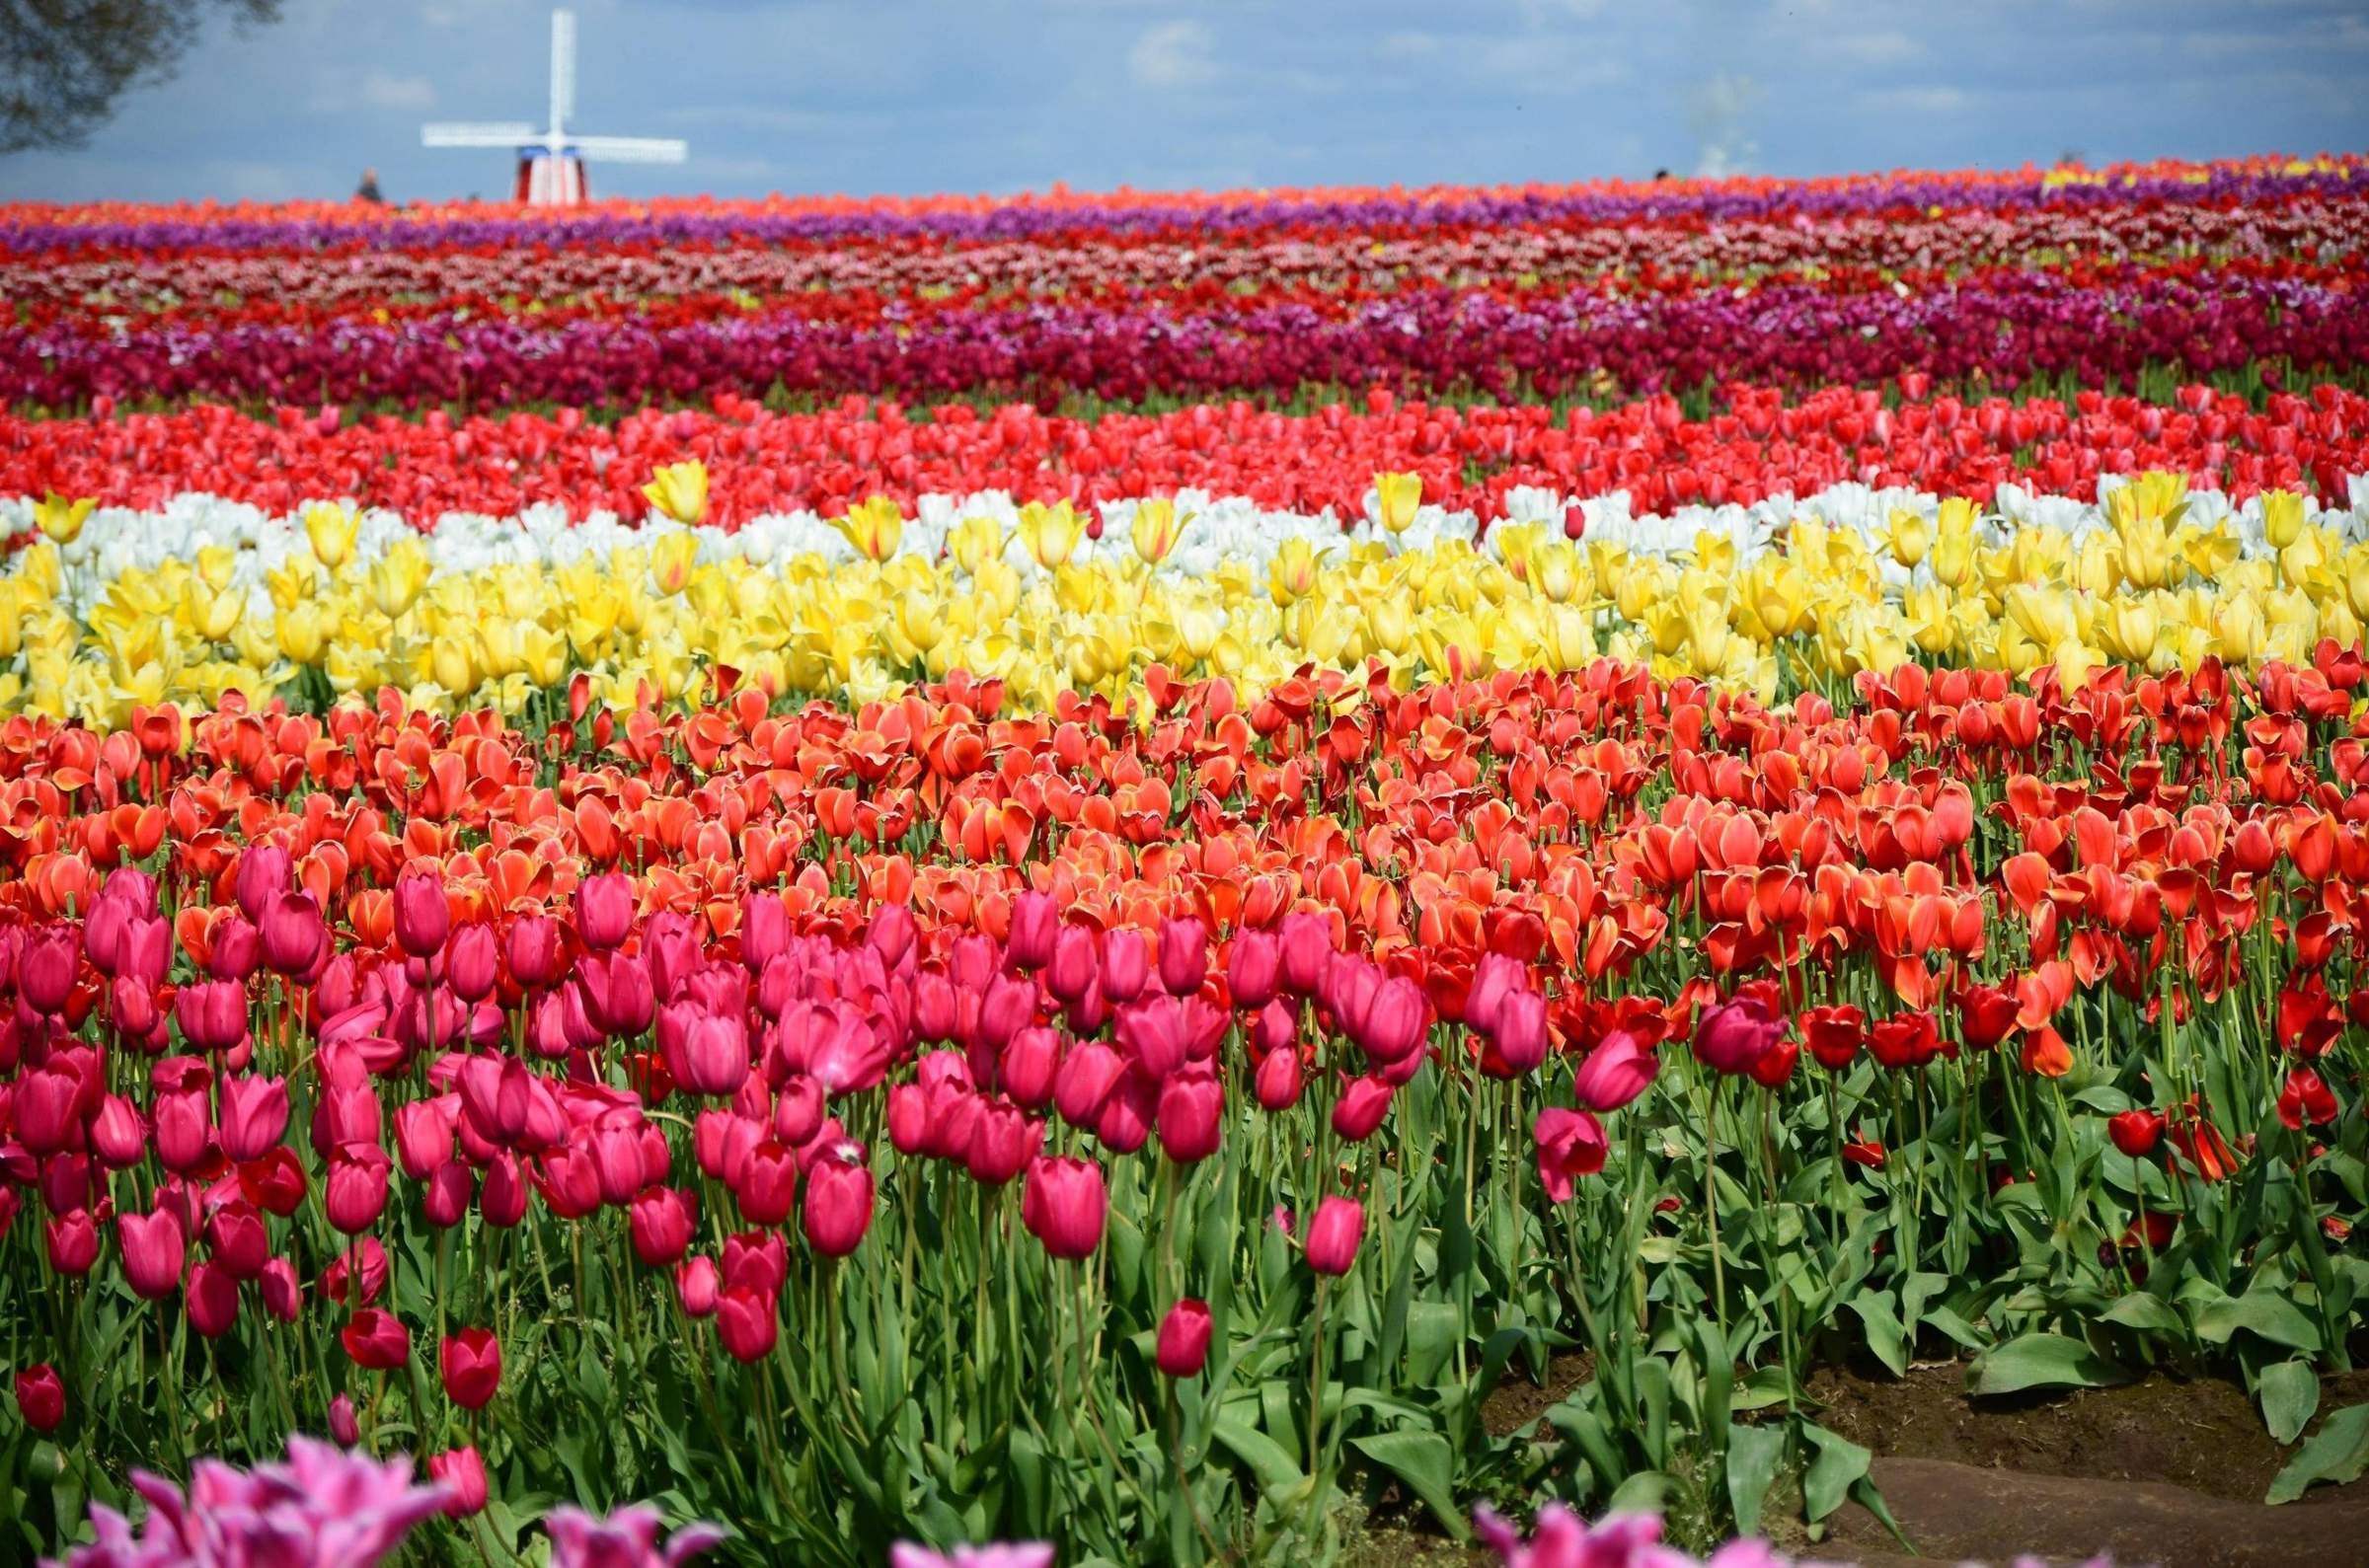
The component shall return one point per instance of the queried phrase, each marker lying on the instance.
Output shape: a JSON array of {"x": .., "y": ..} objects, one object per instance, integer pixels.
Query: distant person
[
  {"x": 368, "y": 190},
  {"x": 1660, "y": 176}
]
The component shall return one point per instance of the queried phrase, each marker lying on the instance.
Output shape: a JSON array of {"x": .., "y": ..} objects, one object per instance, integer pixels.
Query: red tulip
[
  {"x": 1063, "y": 1203},
  {"x": 1183, "y": 1342},
  {"x": 1335, "y": 1234},
  {"x": 41, "y": 1397},
  {"x": 1833, "y": 1035},
  {"x": 2135, "y": 1132},
  {"x": 376, "y": 1340},
  {"x": 472, "y": 1367},
  {"x": 1191, "y": 1105},
  {"x": 748, "y": 1322},
  {"x": 1359, "y": 1111},
  {"x": 212, "y": 1299},
  {"x": 2305, "y": 1099}
]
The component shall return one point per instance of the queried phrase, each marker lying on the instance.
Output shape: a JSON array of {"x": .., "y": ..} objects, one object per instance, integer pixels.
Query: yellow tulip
[
  {"x": 680, "y": 491},
  {"x": 2074, "y": 660},
  {"x": 544, "y": 655},
  {"x": 301, "y": 634},
  {"x": 671, "y": 554},
  {"x": 1396, "y": 498},
  {"x": 1292, "y": 572},
  {"x": 216, "y": 563},
  {"x": 61, "y": 519},
  {"x": 398, "y": 578},
  {"x": 1157, "y": 529},
  {"x": 921, "y": 619},
  {"x": 2130, "y": 629},
  {"x": 454, "y": 669},
  {"x": 1559, "y": 573},
  {"x": 331, "y": 530},
  {"x": 974, "y": 540},
  {"x": 1909, "y": 536},
  {"x": 2283, "y": 518},
  {"x": 1050, "y": 533},
  {"x": 875, "y": 527}
]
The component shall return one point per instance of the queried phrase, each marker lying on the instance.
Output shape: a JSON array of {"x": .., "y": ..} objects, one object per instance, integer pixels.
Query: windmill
[{"x": 551, "y": 163}]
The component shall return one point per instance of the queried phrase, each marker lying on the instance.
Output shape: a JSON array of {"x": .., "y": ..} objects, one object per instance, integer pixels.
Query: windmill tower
[{"x": 551, "y": 163}]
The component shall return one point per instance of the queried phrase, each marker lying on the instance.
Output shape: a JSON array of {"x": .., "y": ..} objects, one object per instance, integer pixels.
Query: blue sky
[{"x": 998, "y": 95}]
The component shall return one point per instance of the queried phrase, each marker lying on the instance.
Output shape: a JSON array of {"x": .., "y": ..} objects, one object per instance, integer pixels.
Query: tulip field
[{"x": 1051, "y": 882}]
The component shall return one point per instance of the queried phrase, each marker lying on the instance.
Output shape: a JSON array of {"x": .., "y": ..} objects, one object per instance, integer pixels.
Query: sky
[{"x": 998, "y": 95}]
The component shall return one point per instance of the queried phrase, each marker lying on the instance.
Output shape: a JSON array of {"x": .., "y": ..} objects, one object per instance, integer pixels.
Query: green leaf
[
  {"x": 2273, "y": 1318},
  {"x": 1753, "y": 1453},
  {"x": 2338, "y": 1452},
  {"x": 2148, "y": 1313},
  {"x": 2290, "y": 1394},
  {"x": 1885, "y": 1338},
  {"x": 2043, "y": 1361},
  {"x": 1841, "y": 1465},
  {"x": 1277, "y": 1476},
  {"x": 1642, "y": 1493},
  {"x": 1424, "y": 1460}
]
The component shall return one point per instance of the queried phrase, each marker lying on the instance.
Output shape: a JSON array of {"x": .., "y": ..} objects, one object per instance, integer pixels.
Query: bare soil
[{"x": 2164, "y": 1471}]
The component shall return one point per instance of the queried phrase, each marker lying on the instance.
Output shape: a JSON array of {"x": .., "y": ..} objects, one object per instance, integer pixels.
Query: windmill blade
[
  {"x": 562, "y": 69},
  {"x": 629, "y": 149},
  {"x": 486, "y": 133}
]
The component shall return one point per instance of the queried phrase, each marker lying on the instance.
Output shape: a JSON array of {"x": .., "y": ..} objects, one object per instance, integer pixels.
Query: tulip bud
[
  {"x": 1027, "y": 1065},
  {"x": 239, "y": 1241},
  {"x": 1254, "y": 968},
  {"x": 265, "y": 873},
  {"x": 254, "y": 1115},
  {"x": 423, "y": 917},
  {"x": 1184, "y": 1343},
  {"x": 1126, "y": 964},
  {"x": 73, "y": 1243},
  {"x": 747, "y": 1321},
  {"x": 1306, "y": 940},
  {"x": 473, "y": 963},
  {"x": 283, "y": 1298},
  {"x": 604, "y": 909},
  {"x": 1191, "y": 1104},
  {"x": 1075, "y": 965},
  {"x": 1335, "y": 1234},
  {"x": 153, "y": 1247},
  {"x": 1363, "y": 1102},
  {"x": 41, "y": 1397},
  {"x": 356, "y": 1191},
  {"x": 211, "y": 1299},
  {"x": 1063, "y": 1203},
  {"x": 1183, "y": 955},
  {"x": 534, "y": 950},
  {"x": 1615, "y": 1073},
  {"x": 696, "y": 1287},
  {"x": 343, "y": 1425},
  {"x": 838, "y": 1207},
  {"x": 1278, "y": 1080},
  {"x": 1034, "y": 927}
]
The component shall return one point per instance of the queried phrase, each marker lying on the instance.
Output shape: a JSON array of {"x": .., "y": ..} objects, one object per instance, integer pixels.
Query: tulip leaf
[
  {"x": 2043, "y": 1361},
  {"x": 2259, "y": 1311},
  {"x": 1432, "y": 1328},
  {"x": 2290, "y": 1394},
  {"x": 1277, "y": 1476},
  {"x": 1840, "y": 1465},
  {"x": 2338, "y": 1452},
  {"x": 1753, "y": 1454},
  {"x": 2147, "y": 1313},
  {"x": 1885, "y": 1338},
  {"x": 1424, "y": 1460}
]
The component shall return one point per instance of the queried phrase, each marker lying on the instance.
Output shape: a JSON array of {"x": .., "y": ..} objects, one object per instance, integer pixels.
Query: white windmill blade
[
  {"x": 482, "y": 133},
  {"x": 629, "y": 149},
  {"x": 562, "y": 69}
]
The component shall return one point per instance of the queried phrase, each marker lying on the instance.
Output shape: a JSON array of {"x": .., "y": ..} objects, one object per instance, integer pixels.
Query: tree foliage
[{"x": 63, "y": 63}]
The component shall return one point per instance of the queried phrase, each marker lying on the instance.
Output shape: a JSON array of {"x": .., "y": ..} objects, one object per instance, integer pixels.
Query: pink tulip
[
  {"x": 838, "y": 1207},
  {"x": 661, "y": 1226},
  {"x": 534, "y": 950},
  {"x": 265, "y": 873},
  {"x": 1126, "y": 964},
  {"x": 423, "y": 917},
  {"x": 1191, "y": 1105},
  {"x": 1183, "y": 955},
  {"x": 1003, "y": 1140},
  {"x": 696, "y": 1287},
  {"x": 472, "y": 962},
  {"x": 1035, "y": 924},
  {"x": 627, "y": 1538},
  {"x": 1278, "y": 1079},
  {"x": 153, "y": 1247},
  {"x": 343, "y": 1424},
  {"x": 1615, "y": 1073},
  {"x": 462, "y": 1474},
  {"x": 254, "y": 1115},
  {"x": 748, "y": 1322},
  {"x": 1735, "y": 1034},
  {"x": 1254, "y": 968},
  {"x": 212, "y": 1299},
  {"x": 1063, "y": 1203},
  {"x": 604, "y": 909},
  {"x": 356, "y": 1191},
  {"x": 1570, "y": 1144},
  {"x": 1362, "y": 1104},
  {"x": 236, "y": 1235}
]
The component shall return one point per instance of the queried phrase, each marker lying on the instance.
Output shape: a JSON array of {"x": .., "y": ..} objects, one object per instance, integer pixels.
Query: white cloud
[
  {"x": 386, "y": 90},
  {"x": 1927, "y": 100},
  {"x": 1173, "y": 54},
  {"x": 1719, "y": 111}
]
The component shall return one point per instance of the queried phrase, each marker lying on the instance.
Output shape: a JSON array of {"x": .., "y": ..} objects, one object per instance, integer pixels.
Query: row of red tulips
[{"x": 1756, "y": 446}]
